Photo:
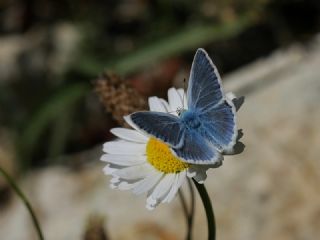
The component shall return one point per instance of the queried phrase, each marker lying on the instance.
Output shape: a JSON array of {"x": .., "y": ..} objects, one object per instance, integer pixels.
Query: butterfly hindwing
[
  {"x": 163, "y": 126},
  {"x": 197, "y": 150},
  {"x": 219, "y": 125}
]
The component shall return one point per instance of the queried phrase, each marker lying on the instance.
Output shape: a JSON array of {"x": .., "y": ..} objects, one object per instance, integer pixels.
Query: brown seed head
[{"x": 118, "y": 96}]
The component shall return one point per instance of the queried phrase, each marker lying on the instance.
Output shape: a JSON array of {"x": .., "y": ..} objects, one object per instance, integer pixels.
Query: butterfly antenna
[{"x": 184, "y": 90}]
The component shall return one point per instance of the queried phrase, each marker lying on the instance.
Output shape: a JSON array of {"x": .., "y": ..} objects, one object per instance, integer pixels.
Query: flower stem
[
  {"x": 188, "y": 215},
  {"x": 183, "y": 203},
  {"x": 191, "y": 214},
  {"x": 208, "y": 208},
  {"x": 24, "y": 200}
]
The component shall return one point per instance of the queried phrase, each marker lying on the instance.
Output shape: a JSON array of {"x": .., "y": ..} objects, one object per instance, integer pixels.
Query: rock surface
[
  {"x": 29, "y": 53},
  {"x": 267, "y": 192}
]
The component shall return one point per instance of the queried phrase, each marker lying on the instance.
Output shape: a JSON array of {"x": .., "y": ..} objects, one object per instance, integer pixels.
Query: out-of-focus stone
[
  {"x": 65, "y": 42},
  {"x": 11, "y": 48},
  {"x": 30, "y": 52},
  {"x": 270, "y": 191},
  {"x": 95, "y": 228}
]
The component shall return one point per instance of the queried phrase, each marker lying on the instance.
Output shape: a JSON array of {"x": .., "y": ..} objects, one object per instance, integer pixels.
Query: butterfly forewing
[
  {"x": 206, "y": 98},
  {"x": 163, "y": 126},
  {"x": 204, "y": 90}
]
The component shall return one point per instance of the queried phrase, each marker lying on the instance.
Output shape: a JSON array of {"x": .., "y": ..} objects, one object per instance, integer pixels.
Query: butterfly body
[
  {"x": 190, "y": 120},
  {"x": 201, "y": 133}
]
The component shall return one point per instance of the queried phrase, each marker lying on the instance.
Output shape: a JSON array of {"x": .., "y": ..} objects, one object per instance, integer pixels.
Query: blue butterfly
[{"x": 204, "y": 132}]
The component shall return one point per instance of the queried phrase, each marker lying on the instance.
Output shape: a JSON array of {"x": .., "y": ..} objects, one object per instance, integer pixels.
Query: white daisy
[{"x": 143, "y": 164}]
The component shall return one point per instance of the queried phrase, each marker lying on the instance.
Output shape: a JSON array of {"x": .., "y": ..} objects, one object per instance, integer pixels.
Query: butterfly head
[{"x": 180, "y": 111}]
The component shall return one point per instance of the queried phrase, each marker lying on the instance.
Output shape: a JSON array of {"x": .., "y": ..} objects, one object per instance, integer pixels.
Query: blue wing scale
[
  {"x": 204, "y": 91},
  {"x": 163, "y": 126},
  {"x": 207, "y": 100},
  {"x": 219, "y": 126},
  {"x": 197, "y": 150}
]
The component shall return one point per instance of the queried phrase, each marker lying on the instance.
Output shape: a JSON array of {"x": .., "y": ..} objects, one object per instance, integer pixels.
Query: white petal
[
  {"x": 163, "y": 187},
  {"x": 233, "y": 100},
  {"x": 150, "y": 206},
  {"x": 121, "y": 147},
  {"x": 123, "y": 160},
  {"x": 121, "y": 184},
  {"x": 129, "y": 121},
  {"x": 148, "y": 183},
  {"x": 127, "y": 186},
  {"x": 166, "y": 105},
  {"x": 175, "y": 101},
  {"x": 230, "y": 96},
  {"x": 191, "y": 173},
  {"x": 200, "y": 177},
  {"x": 169, "y": 195},
  {"x": 155, "y": 104},
  {"x": 108, "y": 170},
  {"x": 133, "y": 172},
  {"x": 161, "y": 190},
  {"x": 199, "y": 172},
  {"x": 180, "y": 178},
  {"x": 115, "y": 180},
  {"x": 184, "y": 97},
  {"x": 129, "y": 134}
]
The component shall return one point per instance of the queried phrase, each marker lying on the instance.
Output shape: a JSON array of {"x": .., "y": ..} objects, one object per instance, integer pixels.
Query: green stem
[
  {"x": 208, "y": 208},
  {"x": 188, "y": 38},
  {"x": 185, "y": 209},
  {"x": 191, "y": 214},
  {"x": 188, "y": 215},
  {"x": 24, "y": 200},
  {"x": 183, "y": 204}
]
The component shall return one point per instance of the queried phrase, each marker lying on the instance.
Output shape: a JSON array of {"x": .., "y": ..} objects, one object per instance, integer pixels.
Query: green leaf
[
  {"x": 47, "y": 114},
  {"x": 187, "y": 39}
]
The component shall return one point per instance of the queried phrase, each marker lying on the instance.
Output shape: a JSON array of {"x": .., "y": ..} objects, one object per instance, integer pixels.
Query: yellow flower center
[{"x": 160, "y": 156}]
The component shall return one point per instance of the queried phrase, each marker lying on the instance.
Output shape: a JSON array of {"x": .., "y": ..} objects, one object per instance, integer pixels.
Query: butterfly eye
[{"x": 180, "y": 111}]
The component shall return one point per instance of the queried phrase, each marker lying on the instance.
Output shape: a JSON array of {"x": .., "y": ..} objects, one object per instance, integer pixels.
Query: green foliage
[
  {"x": 13, "y": 184},
  {"x": 55, "y": 110},
  {"x": 185, "y": 40}
]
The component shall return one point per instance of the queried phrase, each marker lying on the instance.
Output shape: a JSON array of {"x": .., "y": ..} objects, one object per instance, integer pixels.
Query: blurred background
[{"x": 52, "y": 124}]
